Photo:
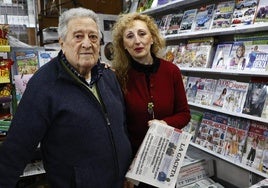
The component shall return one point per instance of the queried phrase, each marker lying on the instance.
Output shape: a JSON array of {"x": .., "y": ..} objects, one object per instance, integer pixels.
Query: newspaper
[{"x": 160, "y": 156}]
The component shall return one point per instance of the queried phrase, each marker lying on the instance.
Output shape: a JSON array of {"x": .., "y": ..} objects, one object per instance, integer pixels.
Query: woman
[{"x": 152, "y": 87}]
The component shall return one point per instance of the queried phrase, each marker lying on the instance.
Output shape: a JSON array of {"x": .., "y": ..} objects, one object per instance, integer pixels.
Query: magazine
[
  {"x": 244, "y": 12},
  {"x": 192, "y": 87},
  {"x": 262, "y": 12},
  {"x": 223, "y": 15},
  {"x": 194, "y": 123},
  {"x": 205, "y": 91},
  {"x": 256, "y": 143},
  {"x": 188, "y": 20},
  {"x": 255, "y": 99},
  {"x": 25, "y": 60},
  {"x": 174, "y": 24},
  {"x": 160, "y": 156},
  {"x": 235, "y": 140},
  {"x": 46, "y": 56},
  {"x": 204, "y": 17},
  {"x": 20, "y": 82},
  {"x": 221, "y": 56}
]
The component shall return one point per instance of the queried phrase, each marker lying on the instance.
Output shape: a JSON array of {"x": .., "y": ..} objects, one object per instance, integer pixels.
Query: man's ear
[{"x": 61, "y": 42}]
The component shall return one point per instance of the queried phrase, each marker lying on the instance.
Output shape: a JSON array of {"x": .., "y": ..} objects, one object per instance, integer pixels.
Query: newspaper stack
[{"x": 160, "y": 156}]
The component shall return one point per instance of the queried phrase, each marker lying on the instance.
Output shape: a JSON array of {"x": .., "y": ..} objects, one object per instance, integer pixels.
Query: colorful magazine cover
[
  {"x": 20, "y": 82},
  {"x": 223, "y": 14},
  {"x": 262, "y": 12},
  {"x": 235, "y": 97},
  {"x": 174, "y": 24},
  {"x": 244, "y": 12},
  {"x": 235, "y": 140},
  {"x": 192, "y": 87},
  {"x": 220, "y": 60},
  {"x": 205, "y": 91},
  {"x": 256, "y": 56},
  {"x": 255, "y": 99},
  {"x": 25, "y": 60},
  {"x": 256, "y": 143},
  {"x": 188, "y": 20},
  {"x": 204, "y": 17},
  {"x": 45, "y": 56}
]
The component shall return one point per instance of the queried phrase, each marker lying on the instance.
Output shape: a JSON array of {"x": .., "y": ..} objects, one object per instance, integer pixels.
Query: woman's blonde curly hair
[{"x": 121, "y": 60}]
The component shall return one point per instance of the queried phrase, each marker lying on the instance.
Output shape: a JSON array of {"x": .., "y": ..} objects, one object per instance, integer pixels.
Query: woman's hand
[
  {"x": 128, "y": 184},
  {"x": 160, "y": 121}
]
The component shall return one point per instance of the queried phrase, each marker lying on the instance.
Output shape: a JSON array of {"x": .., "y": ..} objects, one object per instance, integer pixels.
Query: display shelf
[
  {"x": 222, "y": 31},
  {"x": 226, "y": 72},
  {"x": 255, "y": 118},
  {"x": 264, "y": 175}
]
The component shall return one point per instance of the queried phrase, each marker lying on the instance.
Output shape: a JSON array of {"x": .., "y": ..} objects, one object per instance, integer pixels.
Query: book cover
[
  {"x": 191, "y": 89},
  {"x": 255, "y": 99},
  {"x": 220, "y": 60},
  {"x": 204, "y": 17},
  {"x": 25, "y": 60},
  {"x": 20, "y": 82},
  {"x": 174, "y": 24},
  {"x": 244, "y": 12},
  {"x": 45, "y": 56},
  {"x": 235, "y": 96},
  {"x": 205, "y": 91},
  {"x": 262, "y": 12},
  {"x": 223, "y": 14},
  {"x": 188, "y": 20}
]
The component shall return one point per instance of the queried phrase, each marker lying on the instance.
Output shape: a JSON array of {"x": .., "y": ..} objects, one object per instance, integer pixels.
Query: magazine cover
[
  {"x": 188, "y": 20},
  {"x": 174, "y": 24},
  {"x": 163, "y": 23},
  {"x": 20, "y": 82},
  {"x": 244, "y": 13},
  {"x": 223, "y": 14},
  {"x": 204, "y": 133},
  {"x": 235, "y": 97},
  {"x": 220, "y": 92},
  {"x": 170, "y": 53},
  {"x": 262, "y": 12},
  {"x": 256, "y": 56},
  {"x": 160, "y": 156},
  {"x": 203, "y": 56},
  {"x": 204, "y": 17},
  {"x": 235, "y": 140},
  {"x": 255, "y": 99},
  {"x": 221, "y": 56},
  {"x": 256, "y": 143},
  {"x": 162, "y": 2},
  {"x": 237, "y": 58},
  {"x": 25, "y": 60},
  {"x": 192, "y": 87},
  {"x": 205, "y": 91},
  {"x": 194, "y": 123},
  {"x": 181, "y": 55},
  {"x": 45, "y": 56},
  {"x": 264, "y": 113}
]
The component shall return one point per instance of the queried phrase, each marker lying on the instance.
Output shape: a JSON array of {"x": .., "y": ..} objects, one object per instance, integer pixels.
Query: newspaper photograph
[{"x": 160, "y": 156}]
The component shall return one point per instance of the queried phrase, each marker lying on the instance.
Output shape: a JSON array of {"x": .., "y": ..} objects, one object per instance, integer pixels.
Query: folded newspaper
[{"x": 160, "y": 156}]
